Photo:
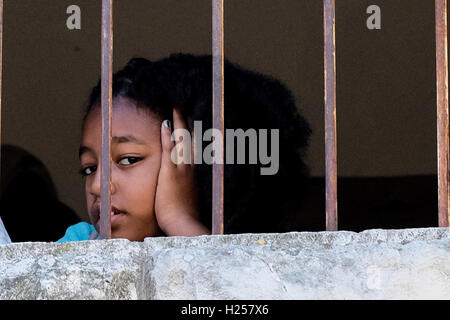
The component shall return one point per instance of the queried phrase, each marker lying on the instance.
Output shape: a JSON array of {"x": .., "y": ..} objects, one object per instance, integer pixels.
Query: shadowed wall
[{"x": 385, "y": 78}]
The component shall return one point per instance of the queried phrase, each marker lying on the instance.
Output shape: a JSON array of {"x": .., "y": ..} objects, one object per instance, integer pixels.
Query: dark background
[{"x": 386, "y": 96}]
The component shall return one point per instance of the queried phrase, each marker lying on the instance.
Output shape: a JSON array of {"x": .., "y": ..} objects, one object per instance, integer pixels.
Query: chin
[
  {"x": 122, "y": 232},
  {"x": 124, "y": 235},
  {"x": 121, "y": 235}
]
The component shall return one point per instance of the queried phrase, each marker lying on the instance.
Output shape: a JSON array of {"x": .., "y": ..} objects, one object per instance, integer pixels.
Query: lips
[{"x": 115, "y": 214}]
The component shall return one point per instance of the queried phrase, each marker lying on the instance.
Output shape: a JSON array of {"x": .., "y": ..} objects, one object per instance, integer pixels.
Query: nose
[{"x": 96, "y": 183}]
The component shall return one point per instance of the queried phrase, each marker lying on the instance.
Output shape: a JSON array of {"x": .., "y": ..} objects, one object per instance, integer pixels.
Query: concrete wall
[{"x": 374, "y": 264}]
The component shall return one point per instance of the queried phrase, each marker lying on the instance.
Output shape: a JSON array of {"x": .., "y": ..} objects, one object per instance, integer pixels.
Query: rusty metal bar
[
  {"x": 1, "y": 73},
  {"x": 218, "y": 113},
  {"x": 106, "y": 105},
  {"x": 442, "y": 111},
  {"x": 330, "y": 115}
]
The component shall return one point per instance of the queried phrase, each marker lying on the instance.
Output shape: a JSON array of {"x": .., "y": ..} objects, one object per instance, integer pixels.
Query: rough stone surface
[
  {"x": 82, "y": 270},
  {"x": 374, "y": 264}
]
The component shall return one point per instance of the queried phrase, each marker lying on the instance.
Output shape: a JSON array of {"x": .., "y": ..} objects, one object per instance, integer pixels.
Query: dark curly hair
[{"x": 252, "y": 202}]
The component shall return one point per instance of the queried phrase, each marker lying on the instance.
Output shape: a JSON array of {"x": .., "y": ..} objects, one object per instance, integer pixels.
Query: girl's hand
[{"x": 176, "y": 206}]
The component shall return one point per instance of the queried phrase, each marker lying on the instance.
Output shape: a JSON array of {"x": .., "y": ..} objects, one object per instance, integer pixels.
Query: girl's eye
[
  {"x": 129, "y": 160},
  {"x": 88, "y": 170}
]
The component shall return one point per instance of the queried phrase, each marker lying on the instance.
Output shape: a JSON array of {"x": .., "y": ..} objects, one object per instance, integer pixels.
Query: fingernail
[{"x": 166, "y": 123}]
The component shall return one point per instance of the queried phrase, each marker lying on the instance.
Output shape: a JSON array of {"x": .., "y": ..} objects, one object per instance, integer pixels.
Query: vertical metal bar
[
  {"x": 1, "y": 74},
  {"x": 218, "y": 113},
  {"x": 442, "y": 111},
  {"x": 330, "y": 115},
  {"x": 106, "y": 105}
]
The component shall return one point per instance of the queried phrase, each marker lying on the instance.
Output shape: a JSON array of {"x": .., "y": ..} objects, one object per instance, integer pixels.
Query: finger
[
  {"x": 167, "y": 145},
  {"x": 183, "y": 138},
  {"x": 178, "y": 120}
]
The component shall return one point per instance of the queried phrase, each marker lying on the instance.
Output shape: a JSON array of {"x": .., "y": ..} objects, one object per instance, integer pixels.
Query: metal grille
[
  {"x": 442, "y": 110},
  {"x": 329, "y": 9},
  {"x": 106, "y": 105},
  {"x": 330, "y": 113},
  {"x": 218, "y": 113}
]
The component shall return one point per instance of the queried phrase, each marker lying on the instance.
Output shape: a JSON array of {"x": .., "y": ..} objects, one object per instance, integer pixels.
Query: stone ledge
[{"x": 374, "y": 264}]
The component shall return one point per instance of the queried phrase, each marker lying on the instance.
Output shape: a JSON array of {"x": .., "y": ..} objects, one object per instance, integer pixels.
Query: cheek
[
  {"x": 89, "y": 200},
  {"x": 146, "y": 179},
  {"x": 152, "y": 176}
]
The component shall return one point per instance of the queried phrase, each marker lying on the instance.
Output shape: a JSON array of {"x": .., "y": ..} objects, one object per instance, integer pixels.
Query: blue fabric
[{"x": 78, "y": 232}]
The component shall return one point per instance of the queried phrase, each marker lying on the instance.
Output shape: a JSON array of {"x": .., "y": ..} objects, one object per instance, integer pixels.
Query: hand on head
[{"x": 176, "y": 201}]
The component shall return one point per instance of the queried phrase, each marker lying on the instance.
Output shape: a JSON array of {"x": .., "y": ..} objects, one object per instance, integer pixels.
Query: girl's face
[{"x": 136, "y": 158}]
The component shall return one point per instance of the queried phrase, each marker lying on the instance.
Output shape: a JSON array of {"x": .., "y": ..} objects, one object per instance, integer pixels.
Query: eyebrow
[
  {"x": 127, "y": 139},
  {"x": 116, "y": 140},
  {"x": 82, "y": 150}
]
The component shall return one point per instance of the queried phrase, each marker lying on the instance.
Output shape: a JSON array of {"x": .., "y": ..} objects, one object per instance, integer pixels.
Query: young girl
[{"x": 153, "y": 196}]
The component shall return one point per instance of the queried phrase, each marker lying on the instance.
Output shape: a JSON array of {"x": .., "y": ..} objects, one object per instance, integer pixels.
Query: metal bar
[
  {"x": 1, "y": 75},
  {"x": 330, "y": 115},
  {"x": 106, "y": 105},
  {"x": 5, "y": 235},
  {"x": 218, "y": 114},
  {"x": 442, "y": 111}
]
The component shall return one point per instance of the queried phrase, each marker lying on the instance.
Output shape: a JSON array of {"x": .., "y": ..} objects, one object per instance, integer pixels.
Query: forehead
[{"x": 127, "y": 119}]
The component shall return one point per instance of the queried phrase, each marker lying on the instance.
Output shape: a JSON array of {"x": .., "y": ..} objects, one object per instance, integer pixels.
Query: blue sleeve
[{"x": 78, "y": 232}]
